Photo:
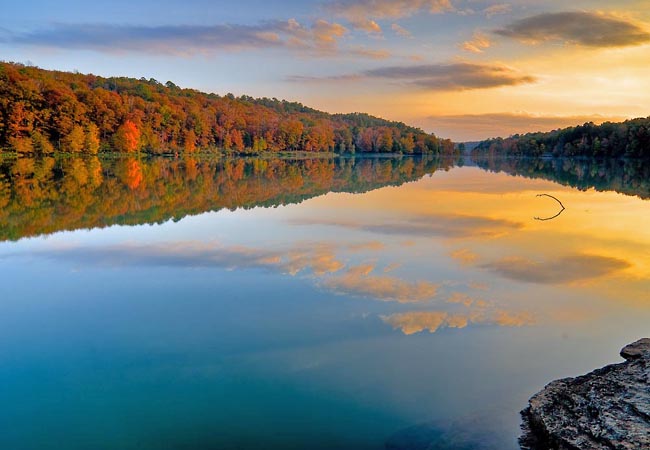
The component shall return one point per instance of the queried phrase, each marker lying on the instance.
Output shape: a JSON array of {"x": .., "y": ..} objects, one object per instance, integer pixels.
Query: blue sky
[{"x": 466, "y": 69}]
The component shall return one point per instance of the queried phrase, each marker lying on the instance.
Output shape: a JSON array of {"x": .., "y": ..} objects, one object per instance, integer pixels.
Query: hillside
[
  {"x": 626, "y": 139},
  {"x": 43, "y": 111}
]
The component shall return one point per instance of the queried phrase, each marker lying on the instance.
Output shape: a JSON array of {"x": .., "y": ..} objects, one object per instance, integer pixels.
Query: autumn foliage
[
  {"x": 42, "y": 111},
  {"x": 127, "y": 138}
]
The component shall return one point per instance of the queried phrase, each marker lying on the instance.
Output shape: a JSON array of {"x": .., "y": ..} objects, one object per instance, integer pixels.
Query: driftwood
[{"x": 559, "y": 212}]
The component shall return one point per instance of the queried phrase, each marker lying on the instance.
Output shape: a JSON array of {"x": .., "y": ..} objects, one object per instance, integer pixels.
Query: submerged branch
[{"x": 555, "y": 216}]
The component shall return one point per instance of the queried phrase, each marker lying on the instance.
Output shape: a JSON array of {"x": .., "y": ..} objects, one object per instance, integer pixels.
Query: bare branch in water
[{"x": 553, "y": 217}]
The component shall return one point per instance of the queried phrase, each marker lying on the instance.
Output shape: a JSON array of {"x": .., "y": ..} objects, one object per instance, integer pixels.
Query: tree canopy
[
  {"x": 43, "y": 111},
  {"x": 626, "y": 139}
]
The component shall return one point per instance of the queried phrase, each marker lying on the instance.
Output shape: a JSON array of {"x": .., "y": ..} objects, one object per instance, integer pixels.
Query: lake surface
[{"x": 348, "y": 303}]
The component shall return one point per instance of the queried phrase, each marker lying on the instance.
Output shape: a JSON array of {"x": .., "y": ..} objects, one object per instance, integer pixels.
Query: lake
[{"x": 321, "y": 303}]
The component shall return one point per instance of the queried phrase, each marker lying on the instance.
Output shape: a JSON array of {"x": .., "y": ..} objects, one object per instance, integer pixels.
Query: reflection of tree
[
  {"x": 629, "y": 176},
  {"x": 45, "y": 195},
  {"x": 132, "y": 175}
]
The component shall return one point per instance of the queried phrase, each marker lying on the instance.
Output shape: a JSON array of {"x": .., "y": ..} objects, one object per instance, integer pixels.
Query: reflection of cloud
[
  {"x": 391, "y": 267},
  {"x": 415, "y": 322},
  {"x": 561, "y": 270},
  {"x": 577, "y": 27},
  {"x": 466, "y": 300},
  {"x": 464, "y": 256},
  {"x": 359, "y": 281},
  {"x": 418, "y": 321},
  {"x": 367, "y": 246},
  {"x": 443, "y": 77},
  {"x": 320, "y": 259},
  {"x": 478, "y": 286},
  {"x": 500, "y": 8},
  {"x": 510, "y": 319},
  {"x": 446, "y": 225}
]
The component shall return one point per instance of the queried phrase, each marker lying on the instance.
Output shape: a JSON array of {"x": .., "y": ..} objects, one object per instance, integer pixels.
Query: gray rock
[{"x": 604, "y": 410}]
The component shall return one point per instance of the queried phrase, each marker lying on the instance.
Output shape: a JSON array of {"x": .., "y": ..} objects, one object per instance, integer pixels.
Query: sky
[{"x": 463, "y": 69}]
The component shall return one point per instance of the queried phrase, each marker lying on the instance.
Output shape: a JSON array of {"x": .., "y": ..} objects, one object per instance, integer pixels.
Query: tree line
[
  {"x": 625, "y": 139},
  {"x": 43, "y": 111}
]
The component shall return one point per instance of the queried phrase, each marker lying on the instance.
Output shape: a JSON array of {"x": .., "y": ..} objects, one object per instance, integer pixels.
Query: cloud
[
  {"x": 427, "y": 225},
  {"x": 456, "y": 76},
  {"x": 417, "y": 321},
  {"x": 369, "y": 53},
  {"x": 320, "y": 37},
  {"x": 367, "y": 25},
  {"x": 477, "y": 44},
  {"x": 355, "y": 10},
  {"x": 437, "y": 77},
  {"x": 576, "y": 27},
  {"x": 500, "y": 8},
  {"x": 566, "y": 269},
  {"x": 359, "y": 281},
  {"x": 470, "y": 127},
  {"x": 401, "y": 31}
]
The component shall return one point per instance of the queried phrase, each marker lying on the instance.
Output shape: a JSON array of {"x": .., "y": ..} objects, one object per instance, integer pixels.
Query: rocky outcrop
[{"x": 604, "y": 410}]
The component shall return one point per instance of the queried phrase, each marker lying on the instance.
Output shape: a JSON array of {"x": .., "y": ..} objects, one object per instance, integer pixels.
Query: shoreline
[{"x": 605, "y": 409}]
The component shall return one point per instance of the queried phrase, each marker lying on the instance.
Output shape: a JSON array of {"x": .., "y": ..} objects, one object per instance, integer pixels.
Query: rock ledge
[{"x": 606, "y": 409}]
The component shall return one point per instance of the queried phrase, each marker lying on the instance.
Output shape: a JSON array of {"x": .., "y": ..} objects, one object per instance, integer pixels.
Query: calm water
[{"x": 320, "y": 304}]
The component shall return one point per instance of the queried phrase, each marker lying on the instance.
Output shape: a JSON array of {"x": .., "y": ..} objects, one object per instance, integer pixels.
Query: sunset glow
[{"x": 464, "y": 69}]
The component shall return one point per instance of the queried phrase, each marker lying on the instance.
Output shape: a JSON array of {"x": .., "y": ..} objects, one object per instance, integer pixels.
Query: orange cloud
[
  {"x": 367, "y": 25},
  {"x": 387, "y": 9},
  {"x": 401, "y": 31},
  {"x": 369, "y": 53},
  {"x": 477, "y": 44}
]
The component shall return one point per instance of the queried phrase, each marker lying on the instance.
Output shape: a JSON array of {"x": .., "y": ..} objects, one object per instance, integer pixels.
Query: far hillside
[
  {"x": 43, "y": 111},
  {"x": 626, "y": 139}
]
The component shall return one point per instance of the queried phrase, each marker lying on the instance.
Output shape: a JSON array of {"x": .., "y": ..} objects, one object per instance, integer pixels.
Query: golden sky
[{"x": 464, "y": 69}]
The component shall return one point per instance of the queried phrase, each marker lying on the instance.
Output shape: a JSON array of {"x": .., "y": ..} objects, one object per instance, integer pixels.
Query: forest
[
  {"x": 608, "y": 140},
  {"x": 43, "y": 111},
  {"x": 43, "y": 195}
]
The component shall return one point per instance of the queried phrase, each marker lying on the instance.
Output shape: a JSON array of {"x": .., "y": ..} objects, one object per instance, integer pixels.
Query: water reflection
[
  {"x": 627, "y": 176},
  {"x": 45, "y": 195},
  {"x": 384, "y": 293}
]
